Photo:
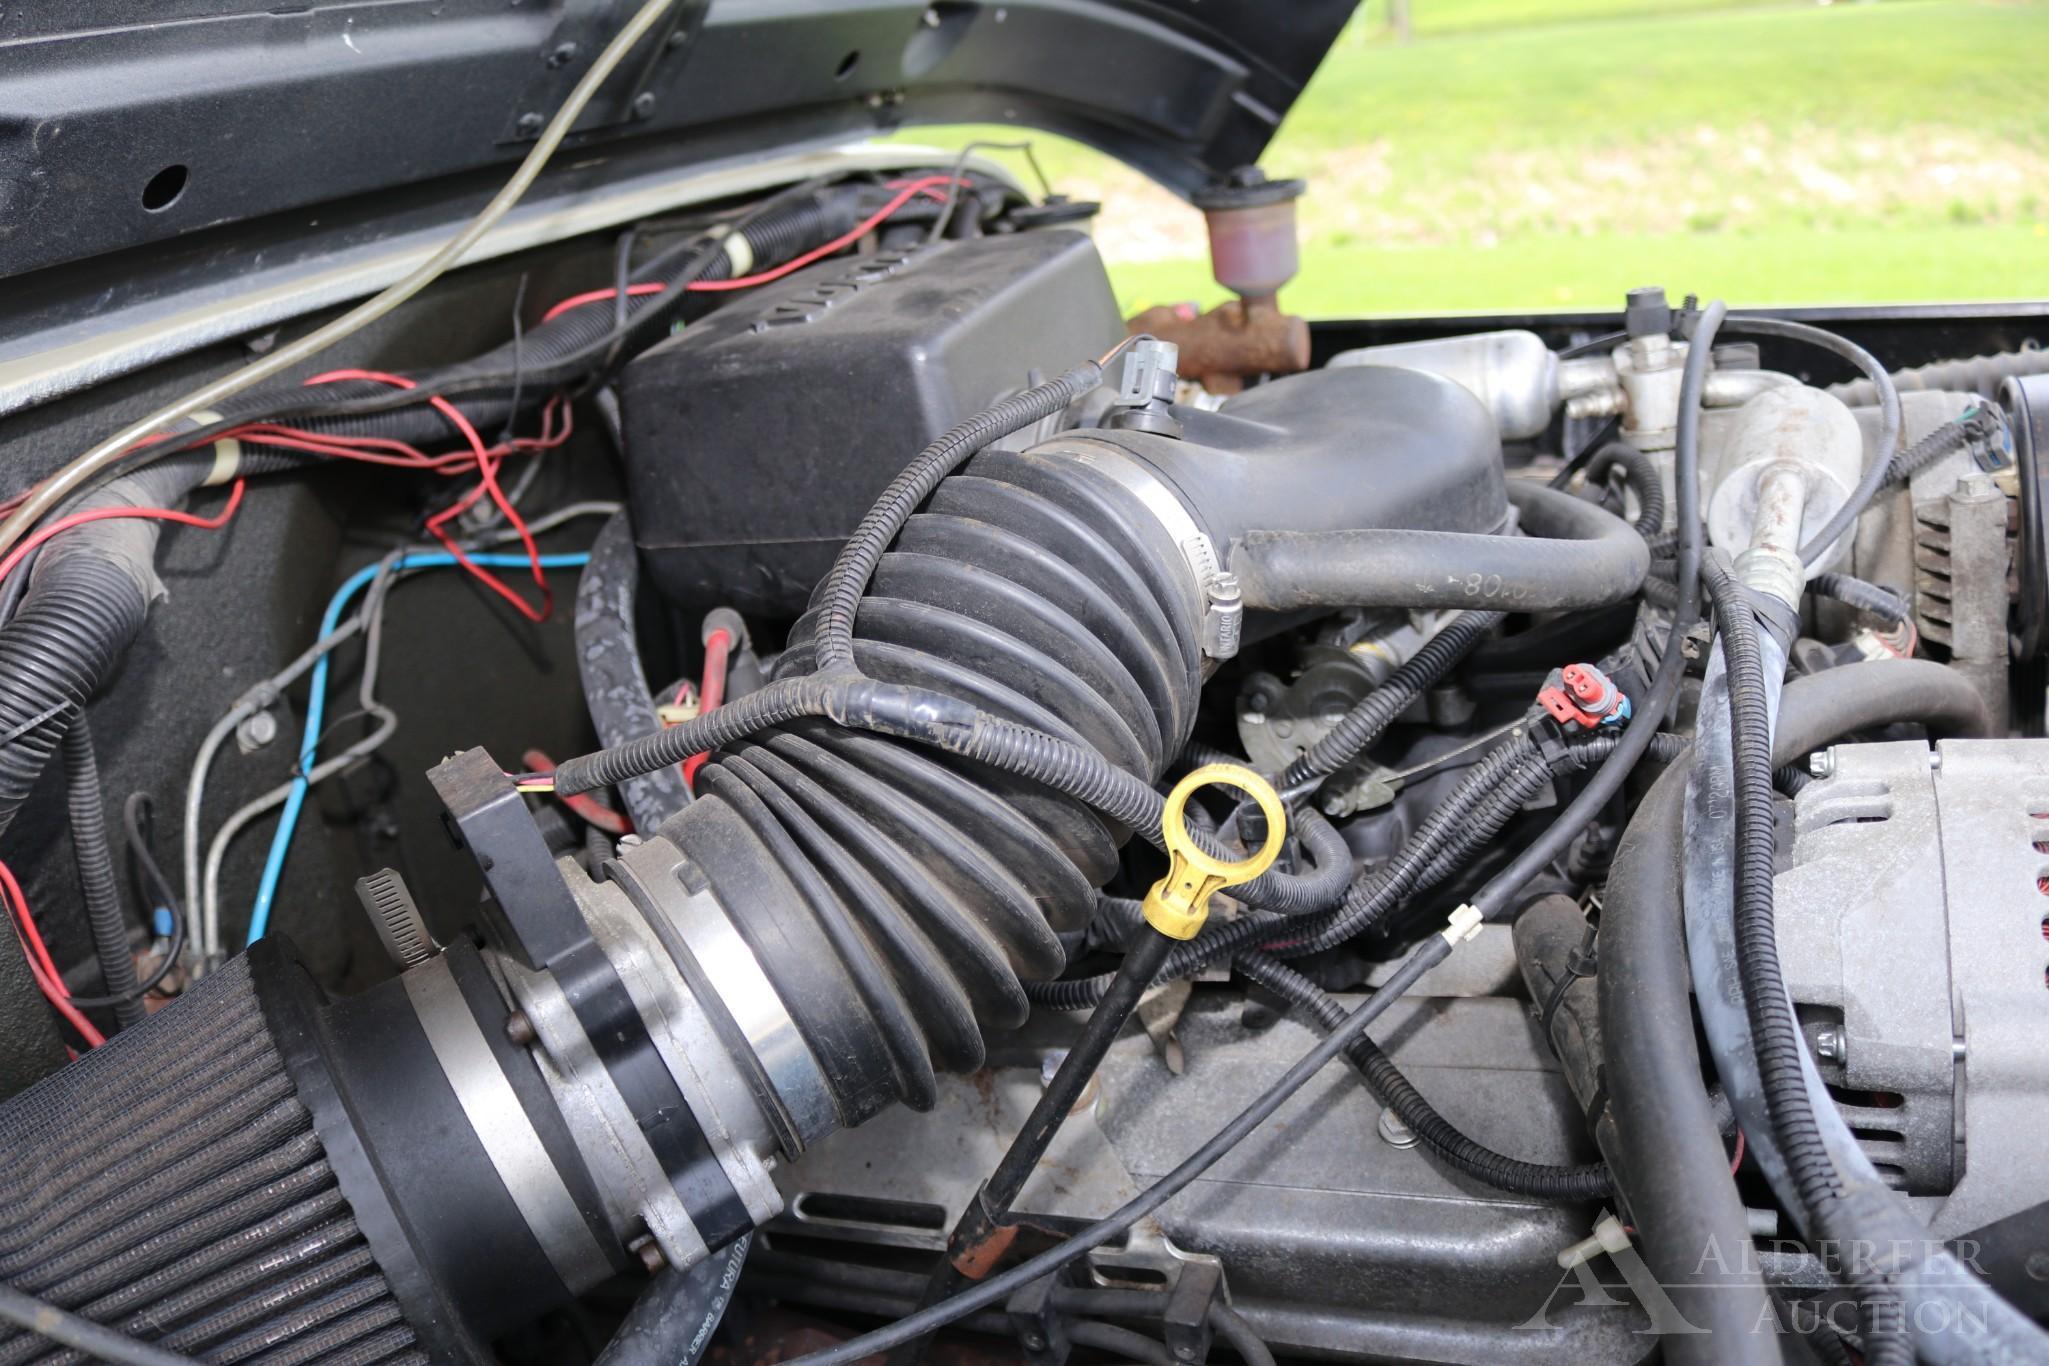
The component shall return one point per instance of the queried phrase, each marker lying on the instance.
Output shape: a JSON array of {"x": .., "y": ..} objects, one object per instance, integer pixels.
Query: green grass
[{"x": 1549, "y": 153}]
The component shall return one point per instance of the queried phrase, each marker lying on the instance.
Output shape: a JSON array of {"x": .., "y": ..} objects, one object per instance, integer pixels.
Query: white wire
[{"x": 74, "y": 475}]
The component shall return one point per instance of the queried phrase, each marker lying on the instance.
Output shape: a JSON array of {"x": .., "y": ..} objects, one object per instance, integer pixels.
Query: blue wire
[{"x": 316, "y": 706}]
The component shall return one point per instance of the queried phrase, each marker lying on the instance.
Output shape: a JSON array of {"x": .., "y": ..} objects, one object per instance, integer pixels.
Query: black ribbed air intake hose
[
  {"x": 172, "y": 1186},
  {"x": 895, "y": 891}
]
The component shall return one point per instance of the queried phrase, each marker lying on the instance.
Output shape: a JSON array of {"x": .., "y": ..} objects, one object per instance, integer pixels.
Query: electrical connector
[{"x": 1581, "y": 696}]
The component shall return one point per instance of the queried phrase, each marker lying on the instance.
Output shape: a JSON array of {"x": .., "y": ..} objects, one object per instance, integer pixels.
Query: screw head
[
  {"x": 1822, "y": 763},
  {"x": 519, "y": 1028},
  {"x": 530, "y": 125},
  {"x": 1185, "y": 1352},
  {"x": 1034, "y": 1343},
  {"x": 562, "y": 55},
  {"x": 1395, "y": 1133},
  {"x": 1830, "y": 1045},
  {"x": 650, "y": 1254},
  {"x": 257, "y": 730},
  {"x": 644, "y": 105}
]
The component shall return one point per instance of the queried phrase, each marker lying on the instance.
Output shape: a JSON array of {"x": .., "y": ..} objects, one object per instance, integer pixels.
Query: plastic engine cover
[{"x": 758, "y": 437}]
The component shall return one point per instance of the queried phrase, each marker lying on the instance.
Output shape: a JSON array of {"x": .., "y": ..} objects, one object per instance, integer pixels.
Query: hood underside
[{"x": 116, "y": 133}]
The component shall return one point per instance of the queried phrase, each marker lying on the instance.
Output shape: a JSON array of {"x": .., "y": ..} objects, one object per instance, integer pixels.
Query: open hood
[{"x": 117, "y": 132}]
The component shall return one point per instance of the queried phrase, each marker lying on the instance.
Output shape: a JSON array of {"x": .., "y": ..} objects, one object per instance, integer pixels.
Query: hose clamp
[{"x": 1222, "y": 605}]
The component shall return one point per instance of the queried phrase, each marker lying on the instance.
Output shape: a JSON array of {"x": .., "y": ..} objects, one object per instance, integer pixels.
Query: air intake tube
[{"x": 888, "y": 841}]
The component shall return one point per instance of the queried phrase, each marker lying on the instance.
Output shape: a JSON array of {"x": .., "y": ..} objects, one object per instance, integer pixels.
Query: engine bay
[{"x": 784, "y": 783}]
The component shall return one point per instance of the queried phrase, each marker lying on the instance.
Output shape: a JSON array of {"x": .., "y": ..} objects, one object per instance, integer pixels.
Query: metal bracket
[
  {"x": 1185, "y": 1324},
  {"x": 1040, "y": 1330},
  {"x": 487, "y": 815}
]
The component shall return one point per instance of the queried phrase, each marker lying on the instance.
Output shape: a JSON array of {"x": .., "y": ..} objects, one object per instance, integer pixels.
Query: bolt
[
  {"x": 1830, "y": 1045},
  {"x": 530, "y": 125},
  {"x": 1185, "y": 1352},
  {"x": 562, "y": 56},
  {"x": 649, "y": 1252},
  {"x": 1976, "y": 484},
  {"x": 2038, "y": 1266},
  {"x": 678, "y": 38},
  {"x": 256, "y": 730},
  {"x": 629, "y": 841},
  {"x": 520, "y": 1029},
  {"x": 1034, "y": 1343},
  {"x": 644, "y": 105},
  {"x": 1822, "y": 763},
  {"x": 1284, "y": 728},
  {"x": 1049, "y": 1065},
  {"x": 1395, "y": 1133}
]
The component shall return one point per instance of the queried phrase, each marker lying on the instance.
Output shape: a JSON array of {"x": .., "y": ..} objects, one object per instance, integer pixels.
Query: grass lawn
[{"x": 1529, "y": 154}]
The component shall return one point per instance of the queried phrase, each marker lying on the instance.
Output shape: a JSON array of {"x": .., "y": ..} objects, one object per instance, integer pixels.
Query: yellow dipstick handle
[{"x": 1179, "y": 902}]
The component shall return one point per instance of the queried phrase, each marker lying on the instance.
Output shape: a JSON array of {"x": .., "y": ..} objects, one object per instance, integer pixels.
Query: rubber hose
[
  {"x": 1641, "y": 476},
  {"x": 615, "y": 687},
  {"x": 1574, "y": 556},
  {"x": 672, "y": 1322},
  {"x": 1775, "y": 1030},
  {"x": 1667, "y": 1152},
  {"x": 1365, "y": 723},
  {"x": 1820, "y": 708},
  {"x": 1121, "y": 1343},
  {"x": 1590, "y": 1181},
  {"x": 1882, "y": 603},
  {"x": 1972, "y": 375},
  {"x": 1671, "y": 1164},
  {"x": 98, "y": 884}
]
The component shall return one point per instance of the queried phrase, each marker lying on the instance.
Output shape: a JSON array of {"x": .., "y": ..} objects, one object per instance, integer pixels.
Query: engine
[{"x": 902, "y": 970}]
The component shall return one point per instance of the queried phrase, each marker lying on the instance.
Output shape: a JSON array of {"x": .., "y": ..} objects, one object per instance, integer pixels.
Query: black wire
[
  {"x": 998, "y": 1288},
  {"x": 138, "y": 828},
  {"x": 954, "y": 177},
  {"x": 1500, "y": 890},
  {"x": 1601, "y": 437},
  {"x": 518, "y": 359},
  {"x": 1593, "y": 344}
]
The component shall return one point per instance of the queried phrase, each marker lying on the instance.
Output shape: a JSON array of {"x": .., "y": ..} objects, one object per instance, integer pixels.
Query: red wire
[
  {"x": 911, "y": 189},
  {"x": 487, "y": 484},
  {"x": 718, "y": 650},
  {"x": 48, "y": 980},
  {"x": 107, "y": 514},
  {"x": 1736, "y": 1160},
  {"x": 597, "y": 295},
  {"x": 593, "y": 811}
]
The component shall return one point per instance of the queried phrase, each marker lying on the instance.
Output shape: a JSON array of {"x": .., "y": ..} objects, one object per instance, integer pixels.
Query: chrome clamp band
[
  {"x": 502, "y": 1127},
  {"x": 1217, "y": 590}
]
